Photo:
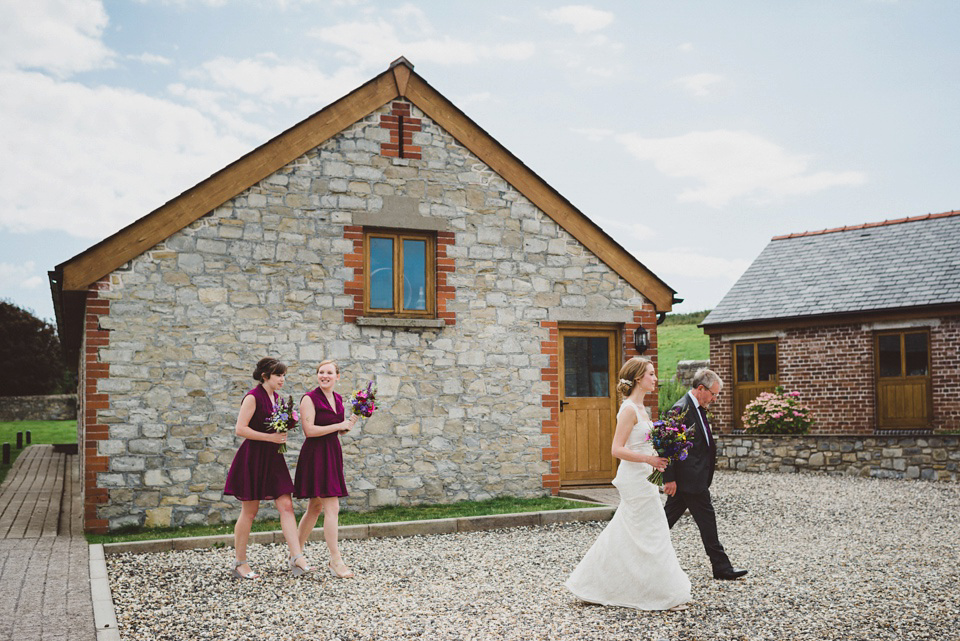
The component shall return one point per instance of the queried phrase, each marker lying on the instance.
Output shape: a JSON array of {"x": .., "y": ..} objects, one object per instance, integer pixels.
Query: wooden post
[
  {"x": 19, "y": 440},
  {"x": 6, "y": 454},
  {"x": 29, "y": 437}
]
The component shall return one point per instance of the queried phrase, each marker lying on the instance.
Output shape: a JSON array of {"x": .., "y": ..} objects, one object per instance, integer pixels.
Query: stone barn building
[
  {"x": 387, "y": 231},
  {"x": 863, "y": 321}
]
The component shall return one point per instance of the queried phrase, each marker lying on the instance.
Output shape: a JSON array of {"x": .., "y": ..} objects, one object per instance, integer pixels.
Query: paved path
[
  {"x": 44, "y": 559},
  {"x": 607, "y": 495}
]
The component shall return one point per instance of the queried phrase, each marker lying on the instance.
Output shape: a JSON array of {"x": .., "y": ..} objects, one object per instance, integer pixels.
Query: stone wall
[
  {"x": 934, "y": 458},
  {"x": 687, "y": 369},
  {"x": 464, "y": 405},
  {"x": 52, "y": 407}
]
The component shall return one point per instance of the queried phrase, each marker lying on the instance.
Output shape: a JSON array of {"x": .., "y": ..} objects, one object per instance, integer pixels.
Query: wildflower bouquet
[
  {"x": 283, "y": 419},
  {"x": 778, "y": 412},
  {"x": 363, "y": 401},
  {"x": 671, "y": 439}
]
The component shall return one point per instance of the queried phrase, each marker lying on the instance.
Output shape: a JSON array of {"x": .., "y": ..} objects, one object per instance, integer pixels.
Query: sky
[{"x": 691, "y": 131}]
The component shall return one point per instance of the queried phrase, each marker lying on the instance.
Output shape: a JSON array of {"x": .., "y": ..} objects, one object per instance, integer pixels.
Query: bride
[{"x": 632, "y": 563}]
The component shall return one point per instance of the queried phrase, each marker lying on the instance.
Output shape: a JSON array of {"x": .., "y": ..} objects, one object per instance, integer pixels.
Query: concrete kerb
[
  {"x": 372, "y": 530},
  {"x": 104, "y": 614}
]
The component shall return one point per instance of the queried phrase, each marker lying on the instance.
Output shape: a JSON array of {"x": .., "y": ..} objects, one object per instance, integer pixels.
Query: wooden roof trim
[
  {"x": 558, "y": 208},
  {"x": 398, "y": 81},
  {"x": 163, "y": 222}
]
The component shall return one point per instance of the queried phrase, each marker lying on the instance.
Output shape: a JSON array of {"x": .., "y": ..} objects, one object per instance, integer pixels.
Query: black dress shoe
[{"x": 729, "y": 575}]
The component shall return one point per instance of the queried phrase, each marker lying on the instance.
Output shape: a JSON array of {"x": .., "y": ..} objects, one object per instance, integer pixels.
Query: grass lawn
[
  {"x": 679, "y": 343},
  {"x": 499, "y": 505},
  {"x": 53, "y": 432}
]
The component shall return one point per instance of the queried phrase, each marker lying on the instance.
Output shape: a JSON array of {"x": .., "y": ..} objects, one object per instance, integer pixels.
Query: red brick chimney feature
[{"x": 401, "y": 127}]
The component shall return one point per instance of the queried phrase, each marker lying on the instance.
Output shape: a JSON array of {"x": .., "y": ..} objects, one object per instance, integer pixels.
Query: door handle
[{"x": 562, "y": 403}]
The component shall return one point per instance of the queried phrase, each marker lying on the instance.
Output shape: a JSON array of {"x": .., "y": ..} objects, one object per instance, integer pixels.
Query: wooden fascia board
[
  {"x": 138, "y": 237},
  {"x": 498, "y": 158},
  {"x": 715, "y": 329}
]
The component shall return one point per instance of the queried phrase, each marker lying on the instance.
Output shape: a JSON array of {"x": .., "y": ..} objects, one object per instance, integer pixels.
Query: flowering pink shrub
[{"x": 778, "y": 412}]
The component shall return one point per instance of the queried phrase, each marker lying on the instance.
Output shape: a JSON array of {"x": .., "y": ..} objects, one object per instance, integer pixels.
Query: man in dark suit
[{"x": 687, "y": 482}]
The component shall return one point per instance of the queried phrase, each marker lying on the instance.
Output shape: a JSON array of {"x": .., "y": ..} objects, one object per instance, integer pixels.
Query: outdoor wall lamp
[{"x": 641, "y": 340}]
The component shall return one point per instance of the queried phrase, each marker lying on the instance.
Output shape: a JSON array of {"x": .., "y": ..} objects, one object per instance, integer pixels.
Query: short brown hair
[{"x": 268, "y": 367}]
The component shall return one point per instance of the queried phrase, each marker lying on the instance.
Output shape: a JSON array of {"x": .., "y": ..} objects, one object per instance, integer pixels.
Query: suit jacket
[{"x": 695, "y": 473}]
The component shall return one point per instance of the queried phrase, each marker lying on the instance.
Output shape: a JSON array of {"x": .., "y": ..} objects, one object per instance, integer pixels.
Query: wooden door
[
  {"x": 903, "y": 380},
  {"x": 590, "y": 360},
  {"x": 755, "y": 372}
]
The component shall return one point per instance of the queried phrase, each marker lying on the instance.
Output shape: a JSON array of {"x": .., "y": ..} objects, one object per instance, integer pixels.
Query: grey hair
[{"x": 705, "y": 377}]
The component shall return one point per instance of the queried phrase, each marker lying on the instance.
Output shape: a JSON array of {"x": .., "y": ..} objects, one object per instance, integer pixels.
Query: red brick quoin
[{"x": 92, "y": 401}]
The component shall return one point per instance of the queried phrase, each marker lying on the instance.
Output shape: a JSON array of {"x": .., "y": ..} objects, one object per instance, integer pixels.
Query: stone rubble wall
[
  {"x": 51, "y": 407},
  {"x": 687, "y": 369},
  {"x": 461, "y": 406},
  {"x": 930, "y": 458}
]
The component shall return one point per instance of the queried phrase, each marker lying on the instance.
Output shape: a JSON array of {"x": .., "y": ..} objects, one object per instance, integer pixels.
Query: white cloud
[
  {"x": 700, "y": 84},
  {"x": 152, "y": 59},
  {"x": 23, "y": 276},
  {"x": 58, "y": 36},
  {"x": 272, "y": 80},
  {"x": 583, "y": 18},
  {"x": 87, "y": 161},
  {"x": 593, "y": 134},
  {"x": 688, "y": 263},
  {"x": 734, "y": 164},
  {"x": 373, "y": 44}
]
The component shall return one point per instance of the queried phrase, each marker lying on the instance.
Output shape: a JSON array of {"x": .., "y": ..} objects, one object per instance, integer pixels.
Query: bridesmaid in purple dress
[
  {"x": 320, "y": 468},
  {"x": 259, "y": 471}
]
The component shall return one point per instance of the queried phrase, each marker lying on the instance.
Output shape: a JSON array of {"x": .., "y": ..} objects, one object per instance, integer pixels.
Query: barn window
[{"x": 400, "y": 274}]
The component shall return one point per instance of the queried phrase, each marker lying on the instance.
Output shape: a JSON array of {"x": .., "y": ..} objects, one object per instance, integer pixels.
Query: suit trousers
[{"x": 701, "y": 509}]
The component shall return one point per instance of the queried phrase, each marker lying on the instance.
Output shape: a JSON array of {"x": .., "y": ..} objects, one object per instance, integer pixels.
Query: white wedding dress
[{"x": 632, "y": 563}]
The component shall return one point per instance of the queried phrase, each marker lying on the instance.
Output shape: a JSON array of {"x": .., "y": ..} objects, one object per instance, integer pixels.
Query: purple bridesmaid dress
[
  {"x": 259, "y": 471},
  {"x": 320, "y": 467}
]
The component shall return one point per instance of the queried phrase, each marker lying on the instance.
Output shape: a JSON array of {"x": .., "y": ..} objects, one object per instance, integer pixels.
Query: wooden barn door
[
  {"x": 903, "y": 380},
  {"x": 590, "y": 360}
]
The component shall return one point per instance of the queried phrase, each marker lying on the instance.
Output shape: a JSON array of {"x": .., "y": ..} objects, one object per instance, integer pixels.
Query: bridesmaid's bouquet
[
  {"x": 283, "y": 419},
  {"x": 363, "y": 401},
  {"x": 671, "y": 439}
]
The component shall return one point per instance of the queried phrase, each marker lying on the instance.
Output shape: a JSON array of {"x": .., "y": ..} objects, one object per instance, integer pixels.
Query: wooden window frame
[
  {"x": 398, "y": 236},
  {"x": 751, "y": 388}
]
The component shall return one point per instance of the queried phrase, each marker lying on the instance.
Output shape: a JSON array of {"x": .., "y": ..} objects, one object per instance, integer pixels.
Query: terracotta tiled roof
[
  {"x": 896, "y": 221},
  {"x": 896, "y": 264}
]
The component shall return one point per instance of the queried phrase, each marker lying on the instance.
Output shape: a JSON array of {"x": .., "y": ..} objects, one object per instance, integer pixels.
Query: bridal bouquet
[
  {"x": 283, "y": 419},
  {"x": 363, "y": 401},
  {"x": 671, "y": 439}
]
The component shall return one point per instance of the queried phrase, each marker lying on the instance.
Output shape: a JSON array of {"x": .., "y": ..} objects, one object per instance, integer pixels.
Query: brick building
[
  {"x": 387, "y": 231},
  {"x": 863, "y": 321}
]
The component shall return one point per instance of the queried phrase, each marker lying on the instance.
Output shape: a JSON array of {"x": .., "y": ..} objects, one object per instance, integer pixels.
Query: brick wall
[
  {"x": 92, "y": 400},
  {"x": 833, "y": 369},
  {"x": 945, "y": 379}
]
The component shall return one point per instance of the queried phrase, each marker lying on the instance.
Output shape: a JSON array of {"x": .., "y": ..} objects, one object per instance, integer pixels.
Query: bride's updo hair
[
  {"x": 268, "y": 367},
  {"x": 630, "y": 372}
]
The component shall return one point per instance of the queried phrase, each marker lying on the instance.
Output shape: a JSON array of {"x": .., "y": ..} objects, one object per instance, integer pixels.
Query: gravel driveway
[{"x": 829, "y": 558}]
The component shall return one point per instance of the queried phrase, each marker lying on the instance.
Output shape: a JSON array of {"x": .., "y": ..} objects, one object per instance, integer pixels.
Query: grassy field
[
  {"x": 54, "y": 432},
  {"x": 499, "y": 505},
  {"x": 679, "y": 343}
]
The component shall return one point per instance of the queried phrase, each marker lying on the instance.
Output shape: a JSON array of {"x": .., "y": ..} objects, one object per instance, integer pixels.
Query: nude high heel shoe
[
  {"x": 296, "y": 569},
  {"x": 238, "y": 575}
]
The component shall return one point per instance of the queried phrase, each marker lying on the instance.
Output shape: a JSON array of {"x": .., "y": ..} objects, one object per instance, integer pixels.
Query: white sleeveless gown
[{"x": 632, "y": 563}]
